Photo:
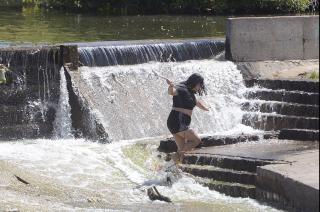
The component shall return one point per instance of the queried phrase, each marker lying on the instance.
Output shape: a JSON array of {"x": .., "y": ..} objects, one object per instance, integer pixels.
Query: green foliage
[
  {"x": 260, "y": 6},
  {"x": 10, "y": 3},
  {"x": 179, "y": 6},
  {"x": 314, "y": 75}
]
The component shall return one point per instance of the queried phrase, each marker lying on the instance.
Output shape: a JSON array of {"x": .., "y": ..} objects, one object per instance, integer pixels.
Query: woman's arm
[
  {"x": 201, "y": 105},
  {"x": 171, "y": 90}
]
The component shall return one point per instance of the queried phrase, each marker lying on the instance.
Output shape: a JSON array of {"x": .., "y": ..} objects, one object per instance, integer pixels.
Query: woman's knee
[{"x": 194, "y": 136}]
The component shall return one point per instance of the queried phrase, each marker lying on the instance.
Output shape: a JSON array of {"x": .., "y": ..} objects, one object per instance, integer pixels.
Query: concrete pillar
[
  {"x": 70, "y": 57},
  {"x": 272, "y": 38}
]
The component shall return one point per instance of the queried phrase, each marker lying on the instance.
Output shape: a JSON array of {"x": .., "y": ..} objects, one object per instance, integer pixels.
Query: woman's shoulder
[{"x": 181, "y": 85}]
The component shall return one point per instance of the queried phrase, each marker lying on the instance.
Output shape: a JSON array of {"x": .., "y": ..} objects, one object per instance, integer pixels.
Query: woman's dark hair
[{"x": 195, "y": 79}]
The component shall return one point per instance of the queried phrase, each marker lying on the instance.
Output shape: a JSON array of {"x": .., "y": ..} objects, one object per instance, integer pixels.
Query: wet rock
[
  {"x": 168, "y": 145},
  {"x": 22, "y": 180},
  {"x": 154, "y": 194},
  {"x": 93, "y": 200}
]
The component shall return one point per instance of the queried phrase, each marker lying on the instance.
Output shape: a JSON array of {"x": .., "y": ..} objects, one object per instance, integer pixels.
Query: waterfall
[
  {"x": 32, "y": 90},
  {"x": 132, "y": 101},
  {"x": 143, "y": 53},
  {"x": 62, "y": 122}
]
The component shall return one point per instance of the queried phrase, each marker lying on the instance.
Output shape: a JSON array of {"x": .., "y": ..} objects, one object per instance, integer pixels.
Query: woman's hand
[
  {"x": 201, "y": 105},
  {"x": 170, "y": 83},
  {"x": 171, "y": 90}
]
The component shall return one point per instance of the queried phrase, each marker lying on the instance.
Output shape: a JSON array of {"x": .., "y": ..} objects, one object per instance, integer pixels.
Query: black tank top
[{"x": 185, "y": 98}]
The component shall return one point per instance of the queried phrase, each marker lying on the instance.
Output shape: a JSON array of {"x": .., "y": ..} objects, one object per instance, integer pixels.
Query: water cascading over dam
[
  {"x": 108, "y": 54},
  {"x": 132, "y": 101},
  {"x": 28, "y": 101}
]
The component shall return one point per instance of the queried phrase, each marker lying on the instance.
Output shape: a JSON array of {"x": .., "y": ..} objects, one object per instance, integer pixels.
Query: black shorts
[{"x": 178, "y": 122}]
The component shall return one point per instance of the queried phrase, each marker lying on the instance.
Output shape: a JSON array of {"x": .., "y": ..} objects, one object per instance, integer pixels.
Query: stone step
[
  {"x": 289, "y": 85},
  {"x": 25, "y": 113},
  {"x": 285, "y": 96},
  {"x": 12, "y": 114},
  {"x": 25, "y": 131},
  {"x": 282, "y": 108},
  {"x": 17, "y": 95},
  {"x": 220, "y": 174},
  {"x": 225, "y": 162},
  {"x": 229, "y": 189},
  {"x": 168, "y": 145},
  {"x": 278, "y": 122},
  {"x": 299, "y": 134},
  {"x": 14, "y": 96}
]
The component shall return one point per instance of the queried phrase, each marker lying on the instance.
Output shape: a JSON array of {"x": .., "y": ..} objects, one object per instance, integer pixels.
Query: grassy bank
[{"x": 212, "y": 7}]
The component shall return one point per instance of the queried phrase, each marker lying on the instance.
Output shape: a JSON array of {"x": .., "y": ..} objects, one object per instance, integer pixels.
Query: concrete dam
[{"x": 107, "y": 102}]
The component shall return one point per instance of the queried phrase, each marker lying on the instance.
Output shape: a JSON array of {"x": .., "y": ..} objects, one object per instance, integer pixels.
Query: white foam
[
  {"x": 62, "y": 123},
  {"x": 106, "y": 170},
  {"x": 138, "y": 103}
]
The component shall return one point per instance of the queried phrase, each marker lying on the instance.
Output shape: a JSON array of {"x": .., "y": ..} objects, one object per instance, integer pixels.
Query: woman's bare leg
[
  {"x": 181, "y": 142},
  {"x": 193, "y": 139}
]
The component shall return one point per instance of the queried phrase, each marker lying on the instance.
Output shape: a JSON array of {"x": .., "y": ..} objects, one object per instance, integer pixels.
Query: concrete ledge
[
  {"x": 278, "y": 122},
  {"x": 84, "y": 120},
  {"x": 168, "y": 145},
  {"x": 294, "y": 186},
  {"x": 309, "y": 86},
  {"x": 285, "y": 96},
  {"x": 272, "y": 38},
  {"x": 299, "y": 134},
  {"x": 281, "y": 108}
]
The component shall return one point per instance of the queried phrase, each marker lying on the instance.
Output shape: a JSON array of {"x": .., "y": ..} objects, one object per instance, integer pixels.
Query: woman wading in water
[{"x": 184, "y": 101}]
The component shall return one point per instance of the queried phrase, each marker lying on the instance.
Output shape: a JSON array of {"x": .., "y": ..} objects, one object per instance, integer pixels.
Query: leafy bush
[
  {"x": 180, "y": 6},
  {"x": 260, "y": 6}
]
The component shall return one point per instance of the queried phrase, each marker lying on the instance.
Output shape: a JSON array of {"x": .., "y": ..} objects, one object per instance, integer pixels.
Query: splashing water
[
  {"x": 62, "y": 123},
  {"x": 75, "y": 174},
  {"x": 143, "y": 53},
  {"x": 132, "y": 101}
]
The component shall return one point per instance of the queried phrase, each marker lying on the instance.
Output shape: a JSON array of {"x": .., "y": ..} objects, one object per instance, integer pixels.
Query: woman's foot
[
  {"x": 175, "y": 157},
  {"x": 181, "y": 156}
]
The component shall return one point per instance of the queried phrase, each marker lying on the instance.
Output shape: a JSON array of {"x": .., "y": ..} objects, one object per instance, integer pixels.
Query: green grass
[{"x": 314, "y": 75}]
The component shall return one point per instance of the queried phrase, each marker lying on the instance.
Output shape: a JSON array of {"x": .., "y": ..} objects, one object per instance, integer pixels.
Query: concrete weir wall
[
  {"x": 29, "y": 98},
  {"x": 272, "y": 38}
]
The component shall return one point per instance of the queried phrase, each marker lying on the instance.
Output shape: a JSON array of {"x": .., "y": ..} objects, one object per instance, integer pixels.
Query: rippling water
[{"x": 30, "y": 26}]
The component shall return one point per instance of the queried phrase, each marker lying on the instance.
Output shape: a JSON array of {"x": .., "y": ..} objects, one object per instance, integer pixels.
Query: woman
[{"x": 179, "y": 120}]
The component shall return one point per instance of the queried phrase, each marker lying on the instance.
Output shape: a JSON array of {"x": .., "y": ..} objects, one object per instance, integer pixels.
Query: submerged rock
[{"x": 154, "y": 194}]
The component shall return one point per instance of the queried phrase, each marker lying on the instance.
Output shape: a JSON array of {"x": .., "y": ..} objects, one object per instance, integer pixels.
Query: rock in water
[{"x": 154, "y": 194}]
